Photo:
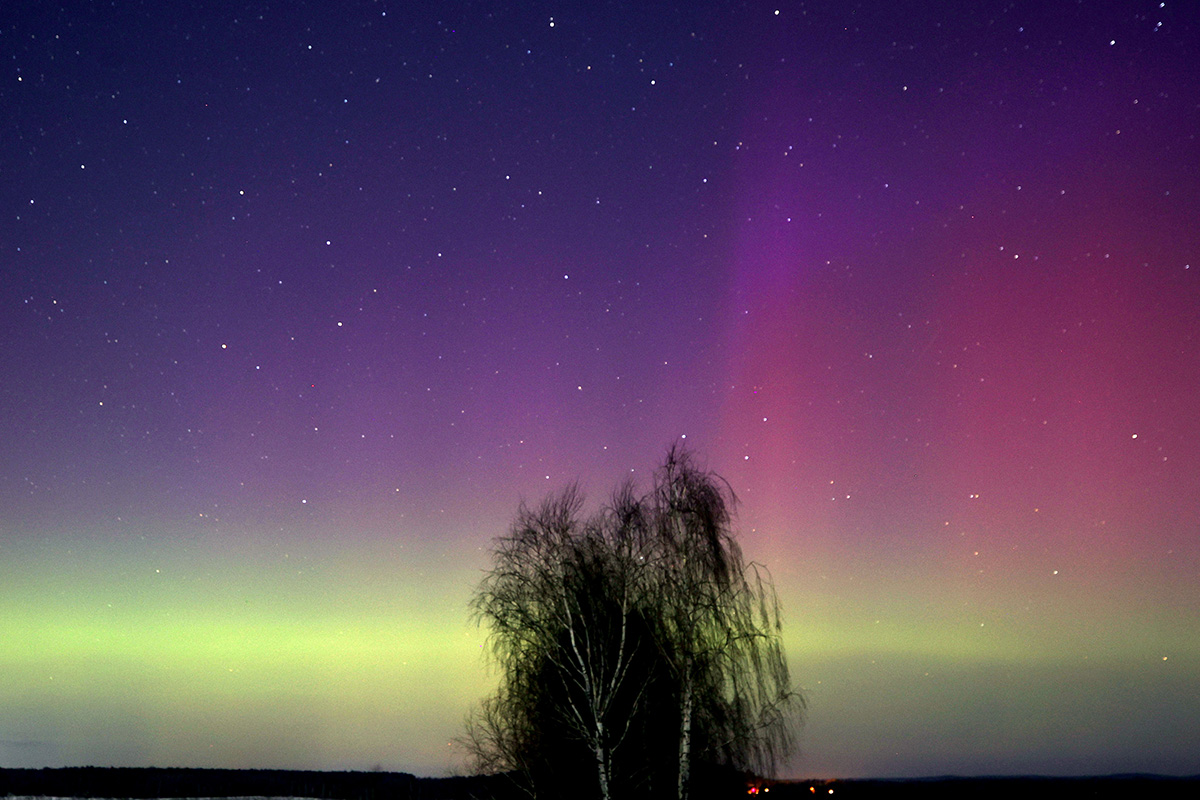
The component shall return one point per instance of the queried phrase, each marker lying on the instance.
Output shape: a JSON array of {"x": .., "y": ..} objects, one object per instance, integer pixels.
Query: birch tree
[
  {"x": 719, "y": 630},
  {"x": 636, "y": 645},
  {"x": 561, "y": 601}
]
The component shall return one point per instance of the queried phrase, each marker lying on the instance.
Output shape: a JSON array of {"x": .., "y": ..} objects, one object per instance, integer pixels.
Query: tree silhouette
[
  {"x": 719, "y": 626},
  {"x": 634, "y": 646}
]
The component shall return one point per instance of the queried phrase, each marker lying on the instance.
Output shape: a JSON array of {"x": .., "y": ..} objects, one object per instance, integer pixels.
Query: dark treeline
[
  {"x": 184, "y": 783},
  {"x": 155, "y": 782},
  {"x": 1108, "y": 787}
]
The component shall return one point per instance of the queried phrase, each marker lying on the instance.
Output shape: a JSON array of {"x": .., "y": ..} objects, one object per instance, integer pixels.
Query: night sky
[{"x": 300, "y": 300}]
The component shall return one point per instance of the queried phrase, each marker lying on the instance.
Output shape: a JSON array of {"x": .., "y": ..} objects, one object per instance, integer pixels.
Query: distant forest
[
  {"x": 185, "y": 783},
  {"x": 182, "y": 783}
]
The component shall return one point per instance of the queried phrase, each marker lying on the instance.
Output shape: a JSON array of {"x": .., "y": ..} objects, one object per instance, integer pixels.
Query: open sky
[{"x": 300, "y": 300}]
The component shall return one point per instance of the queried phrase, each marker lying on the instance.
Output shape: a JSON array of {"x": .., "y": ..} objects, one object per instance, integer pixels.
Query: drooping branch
[{"x": 621, "y": 633}]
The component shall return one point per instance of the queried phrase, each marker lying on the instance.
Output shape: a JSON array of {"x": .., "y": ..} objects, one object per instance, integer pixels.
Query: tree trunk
[
  {"x": 601, "y": 762},
  {"x": 685, "y": 738}
]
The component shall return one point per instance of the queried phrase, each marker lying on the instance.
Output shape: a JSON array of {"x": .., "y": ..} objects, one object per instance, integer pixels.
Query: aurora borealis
[{"x": 299, "y": 302}]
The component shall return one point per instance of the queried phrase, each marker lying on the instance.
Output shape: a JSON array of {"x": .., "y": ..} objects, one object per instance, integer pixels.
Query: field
[{"x": 181, "y": 784}]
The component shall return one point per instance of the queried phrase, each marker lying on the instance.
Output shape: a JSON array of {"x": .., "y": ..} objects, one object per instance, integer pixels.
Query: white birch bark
[
  {"x": 685, "y": 739},
  {"x": 602, "y": 766}
]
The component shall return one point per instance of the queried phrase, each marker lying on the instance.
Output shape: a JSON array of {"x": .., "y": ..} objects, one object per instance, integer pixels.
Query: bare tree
[
  {"x": 560, "y": 600},
  {"x": 720, "y": 629},
  {"x": 617, "y": 634}
]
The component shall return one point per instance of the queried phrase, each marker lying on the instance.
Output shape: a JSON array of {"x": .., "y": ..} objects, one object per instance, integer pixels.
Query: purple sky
[{"x": 299, "y": 302}]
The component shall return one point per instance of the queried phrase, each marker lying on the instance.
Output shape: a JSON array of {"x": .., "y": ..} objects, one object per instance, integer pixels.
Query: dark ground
[{"x": 153, "y": 783}]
